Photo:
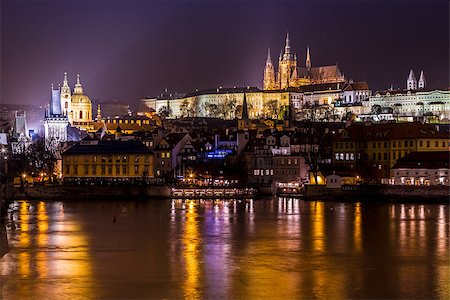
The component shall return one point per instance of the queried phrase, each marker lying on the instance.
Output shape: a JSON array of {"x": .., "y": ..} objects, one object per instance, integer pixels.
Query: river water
[{"x": 273, "y": 249}]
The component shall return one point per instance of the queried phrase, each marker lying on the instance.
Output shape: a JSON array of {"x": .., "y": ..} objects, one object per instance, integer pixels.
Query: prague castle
[{"x": 289, "y": 74}]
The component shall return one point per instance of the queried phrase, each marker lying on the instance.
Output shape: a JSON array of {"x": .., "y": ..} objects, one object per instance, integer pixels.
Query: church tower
[
  {"x": 411, "y": 82},
  {"x": 81, "y": 107},
  {"x": 55, "y": 122},
  {"x": 422, "y": 82},
  {"x": 269, "y": 74},
  {"x": 66, "y": 97},
  {"x": 308, "y": 60},
  {"x": 287, "y": 66}
]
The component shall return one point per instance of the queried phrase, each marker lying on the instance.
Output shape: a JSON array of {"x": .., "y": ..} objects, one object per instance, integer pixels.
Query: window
[
  {"x": 443, "y": 144},
  {"x": 374, "y": 156},
  {"x": 267, "y": 172},
  {"x": 352, "y": 156},
  {"x": 411, "y": 143},
  {"x": 394, "y": 144},
  {"x": 379, "y": 156},
  {"x": 163, "y": 155},
  {"x": 337, "y": 156},
  {"x": 428, "y": 144},
  {"x": 110, "y": 170},
  {"x": 103, "y": 170},
  {"x": 86, "y": 169},
  {"x": 86, "y": 158},
  {"x": 136, "y": 170},
  {"x": 168, "y": 154},
  {"x": 347, "y": 157},
  {"x": 341, "y": 155},
  {"x": 436, "y": 144},
  {"x": 136, "y": 159},
  {"x": 94, "y": 159},
  {"x": 81, "y": 114},
  {"x": 256, "y": 172},
  {"x": 117, "y": 170},
  {"x": 406, "y": 143},
  {"x": 385, "y": 156},
  {"x": 420, "y": 143},
  {"x": 124, "y": 170},
  {"x": 124, "y": 159},
  {"x": 75, "y": 170}
]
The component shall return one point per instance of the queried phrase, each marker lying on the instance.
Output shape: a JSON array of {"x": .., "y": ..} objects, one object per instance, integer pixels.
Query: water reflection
[
  {"x": 192, "y": 253},
  {"x": 44, "y": 249},
  {"x": 276, "y": 248}
]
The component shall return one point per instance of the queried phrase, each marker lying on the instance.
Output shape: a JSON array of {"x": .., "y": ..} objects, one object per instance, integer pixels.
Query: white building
[
  {"x": 422, "y": 168},
  {"x": 412, "y": 103},
  {"x": 55, "y": 122}
]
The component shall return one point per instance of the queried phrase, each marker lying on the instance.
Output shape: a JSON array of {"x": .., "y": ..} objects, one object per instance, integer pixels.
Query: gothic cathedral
[{"x": 291, "y": 75}]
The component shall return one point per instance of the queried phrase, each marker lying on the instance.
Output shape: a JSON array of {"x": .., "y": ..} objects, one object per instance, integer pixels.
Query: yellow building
[
  {"x": 108, "y": 159},
  {"x": 375, "y": 148},
  {"x": 77, "y": 106}
]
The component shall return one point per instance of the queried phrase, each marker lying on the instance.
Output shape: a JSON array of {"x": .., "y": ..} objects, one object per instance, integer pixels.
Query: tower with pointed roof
[
  {"x": 244, "y": 122},
  {"x": 269, "y": 74},
  {"x": 411, "y": 82},
  {"x": 287, "y": 66},
  {"x": 422, "y": 81},
  {"x": 308, "y": 60},
  {"x": 55, "y": 122},
  {"x": 66, "y": 96}
]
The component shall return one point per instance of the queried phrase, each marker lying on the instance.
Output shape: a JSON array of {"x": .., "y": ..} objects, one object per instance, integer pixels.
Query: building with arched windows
[{"x": 76, "y": 106}]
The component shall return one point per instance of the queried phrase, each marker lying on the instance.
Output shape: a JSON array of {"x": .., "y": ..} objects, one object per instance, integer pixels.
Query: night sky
[{"x": 128, "y": 49}]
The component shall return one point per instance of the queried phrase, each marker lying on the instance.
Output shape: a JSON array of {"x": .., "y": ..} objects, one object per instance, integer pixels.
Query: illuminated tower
[
  {"x": 81, "y": 107},
  {"x": 66, "y": 97},
  {"x": 269, "y": 74},
  {"x": 422, "y": 82},
  {"x": 287, "y": 66},
  {"x": 308, "y": 60},
  {"x": 55, "y": 122},
  {"x": 411, "y": 82}
]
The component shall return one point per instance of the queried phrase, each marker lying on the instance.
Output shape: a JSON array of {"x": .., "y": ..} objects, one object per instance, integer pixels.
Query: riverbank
[
  {"x": 55, "y": 192},
  {"x": 379, "y": 193}
]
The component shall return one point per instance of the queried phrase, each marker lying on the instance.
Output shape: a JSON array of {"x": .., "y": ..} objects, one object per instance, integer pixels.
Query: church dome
[{"x": 81, "y": 98}]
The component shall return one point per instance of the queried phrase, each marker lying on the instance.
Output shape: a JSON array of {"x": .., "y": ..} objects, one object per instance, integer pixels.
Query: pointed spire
[
  {"x": 244, "y": 108},
  {"x": 287, "y": 47},
  {"x": 78, "y": 87},
  {"x": 411, "y": 82},
  {"x": 411, "y": 75},
  {"x": 308, "y": 59},
  {"x": 269, "y": 59},
  {"x": 422, "y": 81},
  {"x": 65, "y": 87}
]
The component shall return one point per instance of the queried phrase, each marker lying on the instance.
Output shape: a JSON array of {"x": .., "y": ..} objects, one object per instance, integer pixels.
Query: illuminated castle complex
[{"x": 289, "y": 74}]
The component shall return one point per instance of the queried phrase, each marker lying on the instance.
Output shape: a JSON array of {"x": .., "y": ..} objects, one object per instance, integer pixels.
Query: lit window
[{"x": 256, "y": 172}]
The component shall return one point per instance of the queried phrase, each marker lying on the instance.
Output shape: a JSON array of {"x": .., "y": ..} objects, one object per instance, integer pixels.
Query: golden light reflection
[
  {"x": 318, "y": 228},
  {"x": 357, "y": 240},
  {"x": 42, "y": 240},
  {"x": 192, "y": 253}
]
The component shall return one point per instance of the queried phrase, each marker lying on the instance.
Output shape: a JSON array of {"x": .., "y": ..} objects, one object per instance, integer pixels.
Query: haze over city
[{"x": 127, "y": 50}]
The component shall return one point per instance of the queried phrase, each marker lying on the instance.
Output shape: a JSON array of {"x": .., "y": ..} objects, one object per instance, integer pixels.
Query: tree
[
  {"x": 165, "y": 112},
  {"x": 271, "y": 109}
]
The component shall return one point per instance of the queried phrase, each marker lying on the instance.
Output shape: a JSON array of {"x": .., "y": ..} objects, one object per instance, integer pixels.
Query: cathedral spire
[
  {"x": 422, "y": 81},
  {"x": 244, "y": 108},
  {"x": 78, "y": 87},
  {"x": 287, "y": 48},
  {"x": 411, "y": 82},
  {"x": 269, "y": 60},
  {"x": 308, "y": 59}
]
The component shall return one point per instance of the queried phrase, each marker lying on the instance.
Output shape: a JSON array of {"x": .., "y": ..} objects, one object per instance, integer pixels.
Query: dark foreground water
[{"x": 275, "y": 249}]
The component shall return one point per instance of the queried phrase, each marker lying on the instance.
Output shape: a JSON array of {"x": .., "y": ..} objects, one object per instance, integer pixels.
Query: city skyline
[{"x": 184, "y": 46}]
